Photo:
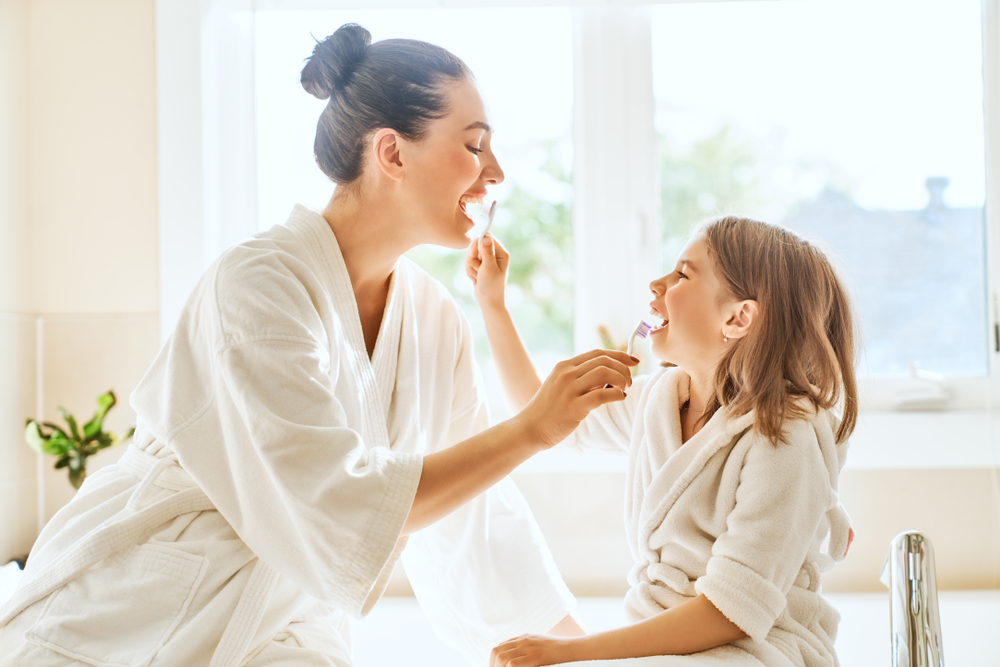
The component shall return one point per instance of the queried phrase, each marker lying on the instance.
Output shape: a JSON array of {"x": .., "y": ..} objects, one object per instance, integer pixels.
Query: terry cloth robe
[
  {"x": 272, "y": 471},
  {"x": 729, "y": 515}
]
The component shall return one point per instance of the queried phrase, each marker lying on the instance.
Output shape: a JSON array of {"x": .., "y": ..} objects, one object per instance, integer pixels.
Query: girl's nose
[{"x": 658, "y": 286}]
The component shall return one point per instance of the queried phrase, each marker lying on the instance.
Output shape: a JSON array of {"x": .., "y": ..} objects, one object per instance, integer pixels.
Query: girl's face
[
  {"x": 690, "y": 302},
  {"x": 450, "y": 168}
]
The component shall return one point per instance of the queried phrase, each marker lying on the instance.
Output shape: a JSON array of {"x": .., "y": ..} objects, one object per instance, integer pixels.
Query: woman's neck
[{"x": 368, "y": 234}]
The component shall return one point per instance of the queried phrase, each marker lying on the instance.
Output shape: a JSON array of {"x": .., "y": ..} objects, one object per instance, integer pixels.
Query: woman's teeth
[{"x": 464, "y": 200}]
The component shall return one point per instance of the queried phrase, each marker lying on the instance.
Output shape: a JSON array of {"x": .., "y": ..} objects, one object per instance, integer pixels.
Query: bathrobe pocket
[{"x": 120, "y": 612}]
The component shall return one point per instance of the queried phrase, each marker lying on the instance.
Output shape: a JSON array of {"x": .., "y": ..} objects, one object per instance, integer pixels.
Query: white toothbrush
[
  {"x": 641, "y": 330},
  {"x": 489, "y": 222}
]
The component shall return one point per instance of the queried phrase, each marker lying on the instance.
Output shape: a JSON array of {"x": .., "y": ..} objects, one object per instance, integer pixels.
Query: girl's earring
[{"x": 725, "y": 338}]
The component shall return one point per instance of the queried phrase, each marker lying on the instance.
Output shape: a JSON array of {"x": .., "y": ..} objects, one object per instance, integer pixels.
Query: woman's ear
[
  {"x": 386, "y": 146},
  {"x": 741, "y": 318}
]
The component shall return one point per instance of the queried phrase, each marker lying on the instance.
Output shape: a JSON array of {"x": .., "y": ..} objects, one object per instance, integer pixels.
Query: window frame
[{"x": 208, "y": 203}]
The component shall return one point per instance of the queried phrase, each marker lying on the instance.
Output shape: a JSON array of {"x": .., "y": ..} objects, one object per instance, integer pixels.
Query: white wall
[
  {"x": 18, "y": 484},
  {"x": 78, "y": 230}
]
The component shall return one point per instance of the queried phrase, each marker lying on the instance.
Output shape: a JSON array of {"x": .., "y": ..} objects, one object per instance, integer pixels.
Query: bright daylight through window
[
  {"x": 530, "y": 108},
  {"x": 859, "y": 124}
]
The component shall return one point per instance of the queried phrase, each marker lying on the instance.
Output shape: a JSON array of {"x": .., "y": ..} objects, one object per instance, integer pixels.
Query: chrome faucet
[{"x": 913, "y": 606}]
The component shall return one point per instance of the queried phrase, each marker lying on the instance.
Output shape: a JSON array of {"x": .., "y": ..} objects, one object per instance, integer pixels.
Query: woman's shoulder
[{"x": 269, "y": 284}]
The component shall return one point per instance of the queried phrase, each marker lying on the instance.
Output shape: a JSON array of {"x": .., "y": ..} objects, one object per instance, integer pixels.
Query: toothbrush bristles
[{"x": 641, "y": 330}]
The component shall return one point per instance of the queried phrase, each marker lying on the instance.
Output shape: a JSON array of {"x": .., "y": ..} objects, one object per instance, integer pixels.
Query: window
[
  {"x": 657, "y": 115},
  {"x": 866, "y": 135}
]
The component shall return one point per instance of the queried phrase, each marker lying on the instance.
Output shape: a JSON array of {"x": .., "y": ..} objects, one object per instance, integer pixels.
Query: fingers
[
  {"x": 472, "y": 270},
  {"x": 599, "y": 397},
  {"x": 494, "y": 257},
  {"x": 511, "y": 653},
  {"x": 607, "y": 362},
  {"x": 472, "y": 251},
  {"x": 614, "y": 354},
  {"x": 472, "y": 262},
  {"x": 500, "y": 252},
  {"x": 601, "y": 377}
]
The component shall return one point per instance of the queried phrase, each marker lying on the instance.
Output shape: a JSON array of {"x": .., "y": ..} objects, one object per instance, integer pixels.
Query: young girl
[{"x": 731, "y": 503}]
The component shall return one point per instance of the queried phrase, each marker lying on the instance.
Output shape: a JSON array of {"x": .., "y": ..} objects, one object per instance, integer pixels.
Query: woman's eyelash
[
  {"x": 680, "y": 274},
  {"x": 475, "y": 150}
]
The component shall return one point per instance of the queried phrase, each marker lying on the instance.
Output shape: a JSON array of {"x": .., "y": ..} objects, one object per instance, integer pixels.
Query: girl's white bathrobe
[
  {"x": 749, "y": 524},
  {"x": 272, "y": 471}
]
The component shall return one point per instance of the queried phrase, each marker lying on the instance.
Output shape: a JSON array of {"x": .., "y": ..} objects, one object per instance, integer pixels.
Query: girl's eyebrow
[
  {"x": 479, "y": 125},
  {"x": 686, "y": 263}
]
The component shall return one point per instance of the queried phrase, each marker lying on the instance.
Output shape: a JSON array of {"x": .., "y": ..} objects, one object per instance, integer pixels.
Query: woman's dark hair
[{"x": 395, "y": 83}]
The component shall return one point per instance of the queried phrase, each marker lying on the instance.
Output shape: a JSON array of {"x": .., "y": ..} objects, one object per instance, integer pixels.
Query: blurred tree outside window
[{"x": 858, "y": 125}]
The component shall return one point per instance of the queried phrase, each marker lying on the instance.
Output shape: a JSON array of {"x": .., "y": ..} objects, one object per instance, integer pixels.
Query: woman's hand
[
  {"x": 488, "y": 271},
  {"x": 532, "y": 651},
  {"x": 574, "y": 388}
]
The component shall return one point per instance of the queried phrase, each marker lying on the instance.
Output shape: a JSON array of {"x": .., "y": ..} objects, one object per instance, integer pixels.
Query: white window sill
[{"x": 881, "y": 441}]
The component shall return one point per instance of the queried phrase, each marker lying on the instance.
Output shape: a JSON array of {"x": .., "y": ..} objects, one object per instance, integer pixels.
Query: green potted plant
[{"x": 73, "y": 445}]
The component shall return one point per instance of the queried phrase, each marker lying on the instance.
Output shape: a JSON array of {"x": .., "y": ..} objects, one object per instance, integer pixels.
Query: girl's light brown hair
[{"x": 800, "y": 349}]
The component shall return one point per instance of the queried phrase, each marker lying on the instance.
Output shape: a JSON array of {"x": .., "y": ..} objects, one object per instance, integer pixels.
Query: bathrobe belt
[{"x": 136, "y": 529}]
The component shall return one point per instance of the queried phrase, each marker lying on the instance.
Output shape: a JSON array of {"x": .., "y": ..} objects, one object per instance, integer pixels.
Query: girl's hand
[
  {"x": 532, "y": 651},
  {"x": 488, "y": 271},
  {"x": 574, "y": 388}
]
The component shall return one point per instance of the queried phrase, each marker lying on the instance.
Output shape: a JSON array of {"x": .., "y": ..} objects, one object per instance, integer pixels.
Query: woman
[{"x": 317, "y": 405}]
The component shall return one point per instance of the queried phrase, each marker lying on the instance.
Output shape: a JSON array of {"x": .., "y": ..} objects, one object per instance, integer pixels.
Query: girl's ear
[
  {"x": 741, "y": 318},
  {"x": 386, "y": 146}
]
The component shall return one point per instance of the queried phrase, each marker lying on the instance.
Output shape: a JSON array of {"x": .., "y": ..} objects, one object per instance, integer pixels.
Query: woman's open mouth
[{"x": 464, "y": 200}]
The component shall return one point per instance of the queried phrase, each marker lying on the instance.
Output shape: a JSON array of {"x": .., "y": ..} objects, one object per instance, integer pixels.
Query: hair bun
[{"x": 334, "y": 59}]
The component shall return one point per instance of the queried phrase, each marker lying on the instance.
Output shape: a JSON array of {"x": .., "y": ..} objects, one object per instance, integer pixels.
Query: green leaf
[
  {"x": 62, "y": 463},
  {"x": 76, "y": 476},
  {"x": 56, "y": 428},
  {"x": 59, "y": 445},
  {"x": 34, "y": 437},
  {"x": 56, "y": 444},
  {"x": 105, "y": 402},
  {"x": 103, "y": 441},
  {"x": 71, "y": 421}
]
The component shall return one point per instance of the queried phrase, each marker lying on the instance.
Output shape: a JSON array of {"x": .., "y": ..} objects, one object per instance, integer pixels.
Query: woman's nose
[
  {"x": 657, "y": 287},
  {"x": 492, "y": 173}
]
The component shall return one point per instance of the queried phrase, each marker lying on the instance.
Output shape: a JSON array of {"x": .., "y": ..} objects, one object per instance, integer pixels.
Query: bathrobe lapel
[
  {"x": 374, "y": 377},
  {"x": 666, "y": 469},
  {"x": 404, "y": 400}
]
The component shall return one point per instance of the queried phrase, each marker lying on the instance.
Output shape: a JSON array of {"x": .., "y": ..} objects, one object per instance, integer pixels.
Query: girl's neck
[
  {"x": 700, "y": 395},
  {"x": 701, "y": 392}
]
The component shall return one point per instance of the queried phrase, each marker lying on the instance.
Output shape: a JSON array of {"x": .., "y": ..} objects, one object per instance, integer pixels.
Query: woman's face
[
  {"x": 452, "y": 166},
  {"x": 689, "y": 302}
]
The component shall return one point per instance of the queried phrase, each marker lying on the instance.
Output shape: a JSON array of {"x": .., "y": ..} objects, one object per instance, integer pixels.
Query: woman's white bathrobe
[
  {"x": 729, "y": 515},
  {"x": 273, "y": 468}
]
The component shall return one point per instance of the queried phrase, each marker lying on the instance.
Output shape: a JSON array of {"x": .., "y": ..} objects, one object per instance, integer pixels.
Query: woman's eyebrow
[
  {"x": 686, "y": 264},
  {"x": 479, "y": 125}
]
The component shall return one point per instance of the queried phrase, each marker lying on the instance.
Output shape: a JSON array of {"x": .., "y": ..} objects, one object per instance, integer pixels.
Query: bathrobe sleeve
[
  {"x": 243, "y": 394},
  {"x": 484, "y": 573},
  {"x": 781, "y": 500},
  {"x": 610, "y": 427}
]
